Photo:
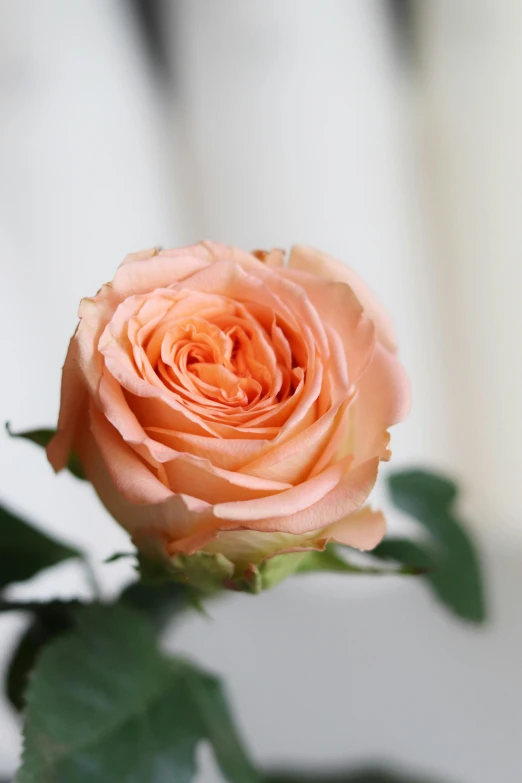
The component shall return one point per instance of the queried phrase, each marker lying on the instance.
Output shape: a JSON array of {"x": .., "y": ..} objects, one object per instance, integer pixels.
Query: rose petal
[
  {"x": 125, "y": 484},
  {"x": 73, "y": 400},
  {"x": 339, "y": 308},
  {"x": 362, "y": 530},
  {"x": 324, "y": 266},
  {"x": 185, "y": 473},
  {"x": 383, "y": 399},
  {"x": 303, "y": 496},
  {"x": 350, "y": 493}
]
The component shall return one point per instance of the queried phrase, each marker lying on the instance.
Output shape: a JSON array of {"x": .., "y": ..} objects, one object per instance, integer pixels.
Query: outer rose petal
[
  {"x": 147, "y": 270},
  {"x": 338, "y": 307},
  {"x": 348, "y": 496},
  {"x": 250, "y": 547},
  {"x": 94, "y": 314},
  {"x": 140, "y": 255},
  {"x": 147, "y": 509},
  {"x": 322, "y": 265},
  {"x": 229, "y": 454},
  {"x": 133, "y": 479},
  {"x": 73, "y": 400},
  {"x": 159, "y": 271},
  {"x": 383, "y": 400},
  {"x": 288, "y": 502},
  {"x": 362, "y": 530}
]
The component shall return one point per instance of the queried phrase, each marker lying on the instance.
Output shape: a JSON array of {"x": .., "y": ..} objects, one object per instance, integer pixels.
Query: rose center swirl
[{"x": 225, "y": 362}]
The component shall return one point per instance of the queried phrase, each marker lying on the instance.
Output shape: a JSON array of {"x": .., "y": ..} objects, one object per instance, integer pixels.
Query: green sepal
[
  {"x": 246, "y": 580},
  {"x": 276, "y": 569},
  {"x": 209, "y": 573},
  {"x": 204, "y": 571}
]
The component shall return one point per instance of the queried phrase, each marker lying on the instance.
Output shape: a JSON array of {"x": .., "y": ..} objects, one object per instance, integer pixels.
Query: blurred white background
[{"x": 264, "y": 124}]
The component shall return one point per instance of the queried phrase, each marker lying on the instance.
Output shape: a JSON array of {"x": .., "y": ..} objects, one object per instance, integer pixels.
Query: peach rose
[{"x": 223, "y": 402}]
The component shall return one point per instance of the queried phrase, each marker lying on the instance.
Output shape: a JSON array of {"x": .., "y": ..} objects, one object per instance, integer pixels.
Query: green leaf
[
  {"x": 42, "y": 438},
  {"x": 25, "y": 550},
  {"x": 104, "y": 704},
  {"x": 414, "y": 490},
  {"x": 49, "y": 621},
  {"x": 161, "y": 602},
  {"x": 218, "y": 727},
  {"x": 449, "y": 555},
  {"x": 406, "y": 552}
]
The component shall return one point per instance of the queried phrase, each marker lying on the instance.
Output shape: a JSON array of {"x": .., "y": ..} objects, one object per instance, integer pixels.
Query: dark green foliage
[
  {"x": 25, "y": 550},
  {"x": 448, "y": 555},
  {"x": 47, "y": 623},
  {"x": 105, "y": 705}
]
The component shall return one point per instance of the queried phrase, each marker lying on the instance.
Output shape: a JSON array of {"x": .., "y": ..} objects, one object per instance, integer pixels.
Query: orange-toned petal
[
  {"x": 182, "y": 472},
  {"x": 289, "y": 503},
  {"x": 141, "y": 504},
  {"x": 139, "y": 273},
  {"x": 383, "y": 399},
  {"x": 293, "y": 460},
  {"x": 346, "y": 497},
  {"x": 150, "y": 269},
  {"x": 94, "y": 313},
  {"x": 132, "y": 478},
  {"x": 73, "y": 402},
  {"x": 317, "y": 263},
  {"x": 362, "y": 530},
  {"x": 338, "y": 307},
  {"x": 200, "y": 478},
  {"x": 226, "y": 453}
]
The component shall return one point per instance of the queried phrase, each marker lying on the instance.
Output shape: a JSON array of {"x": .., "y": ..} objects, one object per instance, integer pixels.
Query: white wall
[
  {"x": 470, "y": 105},
  {"x": 288, "y": 123}
]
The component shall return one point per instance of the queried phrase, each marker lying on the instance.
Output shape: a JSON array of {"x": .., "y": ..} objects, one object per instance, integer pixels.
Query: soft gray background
[{"x": 292, "y": 120}]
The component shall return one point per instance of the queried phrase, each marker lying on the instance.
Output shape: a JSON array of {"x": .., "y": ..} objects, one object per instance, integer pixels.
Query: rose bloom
[{"x": 222, "y": 401}]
